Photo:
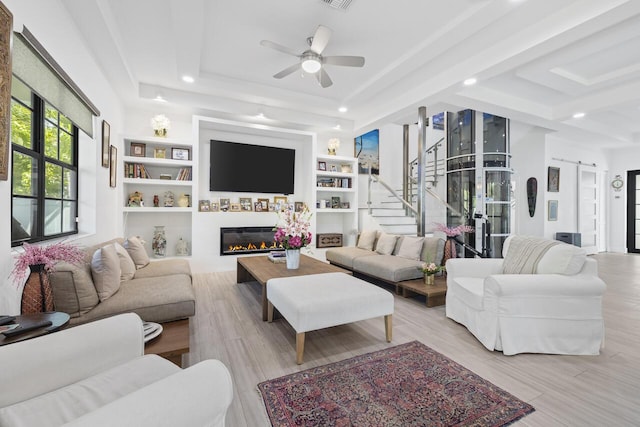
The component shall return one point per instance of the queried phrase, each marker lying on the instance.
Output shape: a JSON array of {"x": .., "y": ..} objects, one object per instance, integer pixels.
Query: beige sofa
[
  {"x": 159, "y": 291},
  {"x": 387, "y": 257}
]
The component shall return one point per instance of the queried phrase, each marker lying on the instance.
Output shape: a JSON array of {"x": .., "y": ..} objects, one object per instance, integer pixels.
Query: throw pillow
[
  {"x": 105, "y": 269},
  {"x": 367, "y": 237},
  {"x": 386, "y": 243},
  {"x": 127, "y": 267},
  {"x": 411, "y": 247},
  {"x": 136, "y": 250},
  {"x": 433, "y": 250}
]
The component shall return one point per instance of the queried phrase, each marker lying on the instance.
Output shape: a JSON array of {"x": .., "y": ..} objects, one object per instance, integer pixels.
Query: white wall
[
  {"x": 52, "y": 26},
  {"x": 622, "y": 160}
]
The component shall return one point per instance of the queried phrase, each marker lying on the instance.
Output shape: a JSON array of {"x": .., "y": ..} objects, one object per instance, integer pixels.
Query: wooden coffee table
[
  {"x": 260, "y": 269},
  {"x": 172, "y": 343},
  {"x": 57, "y": 319},
  {"x": 435, "y": 294}
]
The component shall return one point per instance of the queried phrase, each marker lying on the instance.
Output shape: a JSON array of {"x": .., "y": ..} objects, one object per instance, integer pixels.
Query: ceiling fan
[{"x": 311, "y": 60}]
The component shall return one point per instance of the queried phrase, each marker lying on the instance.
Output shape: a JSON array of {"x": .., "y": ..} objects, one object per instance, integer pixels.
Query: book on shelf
[
  {"x": 184, "y": 174},
  {"x": 334, "y": 182},
  {"x": 136, "y": 170}
]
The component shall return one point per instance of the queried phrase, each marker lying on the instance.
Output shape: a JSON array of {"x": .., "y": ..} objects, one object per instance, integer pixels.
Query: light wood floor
[{"x": 565, "y": 390}]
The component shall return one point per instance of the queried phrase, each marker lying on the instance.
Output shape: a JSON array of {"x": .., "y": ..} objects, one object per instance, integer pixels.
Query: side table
[{"x": 57, "y": 319}]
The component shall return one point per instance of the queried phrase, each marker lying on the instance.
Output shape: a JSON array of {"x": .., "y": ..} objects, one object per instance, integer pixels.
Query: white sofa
[
  {"x": 557, "y": 309},
  {"x": 96, "y": 375}
]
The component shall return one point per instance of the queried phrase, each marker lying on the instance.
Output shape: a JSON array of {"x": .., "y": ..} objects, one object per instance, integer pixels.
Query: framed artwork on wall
[
  {"x": 113, "y": 160},
  {"x": 553, "y": 210},
  {"x": 553, "y": 179},
  {"x": 367, "y": 149},
  {"x": 106, "y": 136},
  {"x": 160, "y": 153}
]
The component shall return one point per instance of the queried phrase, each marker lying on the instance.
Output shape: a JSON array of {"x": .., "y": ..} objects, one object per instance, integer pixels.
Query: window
[{"x": 44, "y": 184}]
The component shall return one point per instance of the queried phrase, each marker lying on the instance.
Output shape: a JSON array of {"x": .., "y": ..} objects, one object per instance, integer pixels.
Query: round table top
[{"x": 57, "y": 319}]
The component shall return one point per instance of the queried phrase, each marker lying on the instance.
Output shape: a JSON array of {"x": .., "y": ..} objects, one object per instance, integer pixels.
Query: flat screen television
[{"x": 247, "y": 168}]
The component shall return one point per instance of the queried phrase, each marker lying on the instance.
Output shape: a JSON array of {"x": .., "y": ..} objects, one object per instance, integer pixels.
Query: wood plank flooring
[{"x": 599, "y": 390}]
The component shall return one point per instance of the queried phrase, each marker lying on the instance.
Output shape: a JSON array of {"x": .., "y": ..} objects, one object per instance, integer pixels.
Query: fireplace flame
[{"x": 253, "y": 246}]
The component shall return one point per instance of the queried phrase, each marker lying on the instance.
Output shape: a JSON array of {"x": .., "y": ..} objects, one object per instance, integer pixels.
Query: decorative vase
[
  {"x": 183, "y": 201},
  {"x": 429, "y": 279},
  {"x": 293, "y": 258},
  {"x": 159, "y": 242},
  {"x": 449, "y": 250},
  {"x": 37, "y": 295},
  {"x": 160, "y": 132}
]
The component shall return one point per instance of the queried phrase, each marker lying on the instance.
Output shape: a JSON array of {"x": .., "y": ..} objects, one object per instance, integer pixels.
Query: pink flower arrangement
[
  {"x": 454, "y": 231},
  {"x": 48, "y": 255},
  {"x": 430, "y": 268},
  {"x": 292, "y": 230}
]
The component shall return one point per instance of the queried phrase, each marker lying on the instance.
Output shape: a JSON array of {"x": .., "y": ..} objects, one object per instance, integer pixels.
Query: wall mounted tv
[{"x": 247, "y": 168}]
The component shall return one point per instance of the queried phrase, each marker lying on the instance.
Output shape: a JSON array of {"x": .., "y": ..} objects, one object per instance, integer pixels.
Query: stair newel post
[
  {"x": 421, "y": 185},
  {"x": 369, "y": 191},
  {"x": 405, "y": 167}
]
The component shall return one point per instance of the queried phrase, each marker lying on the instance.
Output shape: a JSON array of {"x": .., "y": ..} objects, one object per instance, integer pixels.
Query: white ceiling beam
[{"x": 188, "y": 30}]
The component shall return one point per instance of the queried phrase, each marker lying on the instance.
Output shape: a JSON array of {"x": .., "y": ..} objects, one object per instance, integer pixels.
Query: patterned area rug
[{"x": 406, "y": 385}]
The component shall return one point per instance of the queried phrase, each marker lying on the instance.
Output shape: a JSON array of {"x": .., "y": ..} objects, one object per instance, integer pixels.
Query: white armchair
[
  {"x": 97, "y": 374},
  {"x": 557, "y": 309}
]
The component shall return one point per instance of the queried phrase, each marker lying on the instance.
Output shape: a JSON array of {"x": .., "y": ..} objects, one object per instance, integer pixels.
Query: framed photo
[
  {"x": 265, "y": 205},
  {"x": 204, "y": 206},
  {"x": 160, "y": 153},
  {"x": 552, "y": 214},
  {"x": 180, "y": 153},
  {"x": 246, "y": 204},
  {"x": 235, "y": 207},
  {"x": 346, "y": 168},
  {"x": 138, "y": 149},
  {"x": 215, "y": 207},
  {"x": 106, "y": 136},
  {"x": 334, "y": 168},
  {"x": 298, "y": 206},
  {"x": 113, "y": 163},
  {"x": 225, "y": 204},
  {"x": 345, "y": 205},
  {"x": 335, "y": 202},
  {"x": 322, "y": 166},
  {"x": 272, "y": 207},
  {"x": 257, "y": 207},
  {"x": 553, "y": 180},
  {"x": 280, "y": 202},
  {"x": 166, "y": 176},
  {"x": 366, "y": 148}
]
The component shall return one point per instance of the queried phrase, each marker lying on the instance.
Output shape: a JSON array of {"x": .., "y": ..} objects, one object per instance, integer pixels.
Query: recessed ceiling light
[
  {"x": 187, "y": 79},
  {"x": 470, "y": 81},
  {"x": 337, "y": 127},
  {"x": 578, "y": 115},
  {"x": 159, "y": 98},
  {"x": 343, "y": 109},
  {"x": 260, "y": 115}
]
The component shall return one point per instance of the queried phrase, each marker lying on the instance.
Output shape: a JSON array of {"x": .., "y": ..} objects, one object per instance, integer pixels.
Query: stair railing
[{"x": 376, "y": 178}]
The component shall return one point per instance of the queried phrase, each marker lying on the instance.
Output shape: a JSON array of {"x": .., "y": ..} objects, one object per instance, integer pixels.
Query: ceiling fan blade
[
  {"x": 320, "y": 39},
  {"x": 323, "y": 78},
  {"x": 346, "y": 61},
  {"x": 279, "y": 47},
  {"x": 287, "y": 71}
]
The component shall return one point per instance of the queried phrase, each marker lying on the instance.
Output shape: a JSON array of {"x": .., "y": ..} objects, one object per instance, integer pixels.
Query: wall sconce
[{"x": 333, "y": 145}]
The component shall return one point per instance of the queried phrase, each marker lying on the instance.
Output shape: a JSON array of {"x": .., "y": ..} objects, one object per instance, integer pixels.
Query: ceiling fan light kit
[{"x": 311, "y": 60}]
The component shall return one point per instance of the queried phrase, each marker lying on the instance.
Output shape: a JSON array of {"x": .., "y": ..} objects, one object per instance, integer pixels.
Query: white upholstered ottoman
[{"x": 320, "y": 301}]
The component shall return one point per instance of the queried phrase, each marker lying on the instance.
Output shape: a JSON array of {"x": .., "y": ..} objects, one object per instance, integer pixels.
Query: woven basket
[{"x": 37, "y": 295}]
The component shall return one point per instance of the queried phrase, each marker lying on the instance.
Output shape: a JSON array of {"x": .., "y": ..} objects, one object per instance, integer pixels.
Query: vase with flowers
[
  {"x": 429, "y": 269},
  {"x": 39, "y": 261},
  {"x": 160, "y": 125},
  {"x": 451, "y": 233},
  {"x": 292, "y": 232}
]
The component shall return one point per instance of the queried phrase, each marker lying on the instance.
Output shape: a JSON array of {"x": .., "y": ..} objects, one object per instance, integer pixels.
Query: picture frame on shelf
[
  {"x": 265, "y": 205},
  {"x": 345, "y": 205},
  {"x": 235, "y": 207},
  {"x": 335, "y": 202},
  {"x": 204, "y": 206},
  {"x": 272, "y": 207},
  {"x": 553, "y": 180},
  {"x": 166, "y": 176},
  {"x": 334, "y": 168},
  {"x": 552, "y": 213},
  {"x": 113, "y": 166},
  {"x": 180, "y": 153},
  {"x": 106, "y": 143},
  {"x": 257, "y": 206},
  {"x": 138, "y": 149},
  {"x": 225, "y": 205},
  {"x": 246, "y": 204},
  {"x": 215, "y": 206},
  {"x": 160, "y": 153},
  {"x": 298, "y": 206},
  {"x": 322, "y": 166},
  {"x": 280, "y": 202},
  {"x": 346, "y": 168}
]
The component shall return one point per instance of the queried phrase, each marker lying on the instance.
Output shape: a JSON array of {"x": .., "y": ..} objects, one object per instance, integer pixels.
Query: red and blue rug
[{"x": 405, "y": 385}]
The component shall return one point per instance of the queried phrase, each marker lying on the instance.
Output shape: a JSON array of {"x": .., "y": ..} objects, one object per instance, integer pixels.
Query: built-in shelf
[
  {"x": 163, "y": 182},
  {"x": 330, "y": 210},
  {"x": 156, "y": 210},
  {"x": 334, "y": 190},
  {"x": 158, "y": 162}
]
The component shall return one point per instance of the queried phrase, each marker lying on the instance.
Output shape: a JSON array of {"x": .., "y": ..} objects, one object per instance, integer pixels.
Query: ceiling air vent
[{"x": 338, "y": 4}]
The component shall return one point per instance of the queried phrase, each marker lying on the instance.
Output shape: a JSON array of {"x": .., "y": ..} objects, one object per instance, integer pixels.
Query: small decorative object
[
  {"x": 617, "y": 183},
  {"x": 292, "y": 233},
  {"x": 345, "y": 205},
  {"x": 335, "y": 202},
  {"x": 298, "y": 206},
  {"x": 235, "y": 207},
  {"x": 138, "y": 149},
  {"x": 160, "y": 125},
  {"x": 159, "y": 242},
  {"x": 204, "y": 206},
  {"x": 257, "y": 206},
  {"x": 328, "y": 240},
  {"x": 346, "y": 168},
  {"x": 553, "y": 179},
  {"x": 113, "y": 166},
  {"x": 281, "y": 202},
  {"x": 333, "y": 145},
  {"x": 451, "y": 232},
  {"x": 135, "y": 200},
  {"x": 429, "y": 270},
  {"x": 322, "y": 166},
  {"x": 37, "y": 295},
  {"x": 182, "y": 248},
  {"x": 553, "y": 210},
  {"x": 168, "y": 199},
  {"x": 215, "y": 206},
  {"x": 532, "y": 194},
  {"x": 180, "y": 153},
  {"x": 245, "y": 203},
  {"x": 156, "y": 201},
  {"x": 272, "y": 207},
  {"x": 225, "y": 204},
  {"x": 160, "y": 153},
  {"x": 166, "y": 176},
  {"x": 334, "y": 168},
  {"x": 265, "y": 205},
  {"x": 184, "y": 201}
]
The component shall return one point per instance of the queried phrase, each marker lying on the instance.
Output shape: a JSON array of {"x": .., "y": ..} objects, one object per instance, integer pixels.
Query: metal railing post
[
  {"x": 369, "y": 191},
  {"x": 422, "y": 130},
  {"x": 405, "y": 166}
]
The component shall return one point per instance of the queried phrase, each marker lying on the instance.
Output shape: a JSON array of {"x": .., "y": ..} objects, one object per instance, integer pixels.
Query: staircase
[{"x": 389, "y": 213}]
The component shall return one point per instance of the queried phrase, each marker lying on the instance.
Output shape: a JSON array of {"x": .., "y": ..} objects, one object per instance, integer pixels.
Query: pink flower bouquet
[
  {"x": 48, "y": 255},
  {"x": 454, "y": 231},
  {"x": 292, "y": 230}
]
